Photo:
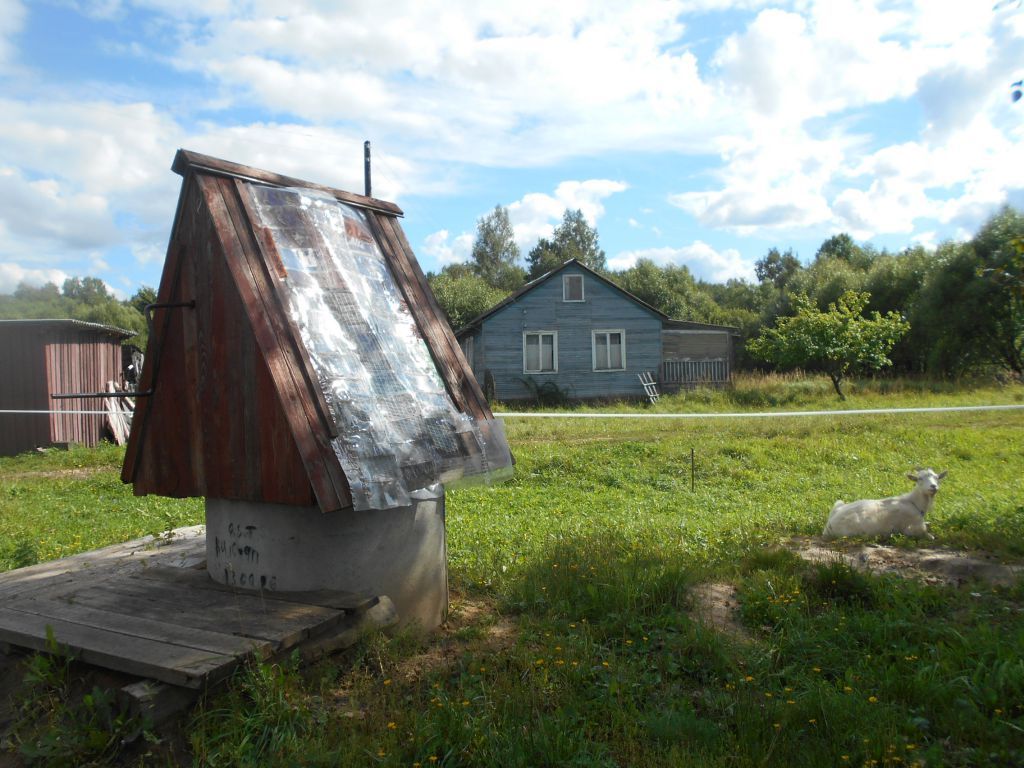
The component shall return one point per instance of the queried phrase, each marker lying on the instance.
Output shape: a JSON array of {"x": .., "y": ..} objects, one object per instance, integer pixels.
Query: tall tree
[
  {"x": 837, "y": 342},
  {"x": 495, "y": 253},
  {"x": 843, "y": 247},
  {"x": 777, "y": 268},
  {"x": 574, "y": 238},
  {"x": 463, "y": 294}
]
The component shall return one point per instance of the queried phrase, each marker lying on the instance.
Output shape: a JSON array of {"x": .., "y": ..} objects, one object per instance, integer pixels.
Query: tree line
[
  {"x": 80, "y": 298},
  {"x": 962, "y": 303}
]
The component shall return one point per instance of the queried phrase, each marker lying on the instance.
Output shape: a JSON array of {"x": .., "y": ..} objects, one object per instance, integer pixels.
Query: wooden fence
[{"x": 692, "y": 373}]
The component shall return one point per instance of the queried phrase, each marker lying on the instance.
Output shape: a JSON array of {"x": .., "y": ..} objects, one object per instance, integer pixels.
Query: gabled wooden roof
[
  {"x": 237, "y": 409},
  {"x": 537, "y": 282}
]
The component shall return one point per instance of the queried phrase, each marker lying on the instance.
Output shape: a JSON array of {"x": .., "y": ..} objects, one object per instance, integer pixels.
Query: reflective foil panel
[{"x": 399, "y": 432}]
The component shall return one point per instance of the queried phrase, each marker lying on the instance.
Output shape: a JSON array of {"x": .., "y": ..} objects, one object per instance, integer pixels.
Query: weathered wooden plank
[
  {"x": 380, "y": 616},
  {"x": 156, "y": 702},
  {"x": 169, "y": 663},
  {"x": 281, "y": 629},
  {"x": 114, "y": 619},
  {"x": 168, "y": 277},
  {"x": 186, "y": 161},
  {"x": 252, "y": 615},
  {"x": 454, "y": 369},
  {"x": 325, "y": 598},
  {"x": 310, "y": 435},
  {"x": 180, "y": 545}
]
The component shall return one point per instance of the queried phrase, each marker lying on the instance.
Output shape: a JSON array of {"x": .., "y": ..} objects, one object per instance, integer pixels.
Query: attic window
[{"x": 572, "y": 287}]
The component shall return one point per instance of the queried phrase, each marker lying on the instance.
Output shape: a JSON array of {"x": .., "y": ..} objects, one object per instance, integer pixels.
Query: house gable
[{"x": 589, "y": 316}]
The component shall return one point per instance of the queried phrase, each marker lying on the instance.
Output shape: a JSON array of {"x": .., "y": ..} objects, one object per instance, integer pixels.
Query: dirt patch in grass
[
  {"x": 473, "y": 625},
  {"x": 715, "y": 605},
  {"x": 931, "y": 565}
]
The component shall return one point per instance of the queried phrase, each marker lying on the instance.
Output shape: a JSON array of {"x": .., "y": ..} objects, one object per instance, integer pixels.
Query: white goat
[{"x": 882, "y": 517}]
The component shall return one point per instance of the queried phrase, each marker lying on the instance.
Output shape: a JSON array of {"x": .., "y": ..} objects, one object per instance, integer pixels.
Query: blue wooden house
[{"x": 576, "y": 330}]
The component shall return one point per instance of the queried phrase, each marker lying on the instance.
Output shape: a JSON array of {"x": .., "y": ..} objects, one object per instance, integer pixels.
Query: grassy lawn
[{"x": 574, "y": 637}]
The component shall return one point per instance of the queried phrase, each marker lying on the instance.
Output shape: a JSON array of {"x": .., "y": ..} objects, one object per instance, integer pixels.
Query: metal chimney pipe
[{"x": 366, "y": 168}]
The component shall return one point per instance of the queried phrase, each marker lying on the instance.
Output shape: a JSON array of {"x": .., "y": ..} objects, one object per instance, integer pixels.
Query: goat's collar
[{"x": 921, "y": 511}]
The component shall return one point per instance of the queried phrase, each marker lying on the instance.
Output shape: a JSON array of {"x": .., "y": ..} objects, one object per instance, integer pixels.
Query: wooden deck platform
[{"x": 149, "y": 608}]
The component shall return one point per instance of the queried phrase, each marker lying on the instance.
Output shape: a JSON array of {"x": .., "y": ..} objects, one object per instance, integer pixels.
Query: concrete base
[{"x": 399, "y": 552}]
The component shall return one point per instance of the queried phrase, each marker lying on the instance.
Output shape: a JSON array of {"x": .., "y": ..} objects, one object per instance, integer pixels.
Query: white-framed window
[
  {"x": 610, "y": 350},
  {"x": 572, "y": 287},
  {"x": 540, "y": 351}
]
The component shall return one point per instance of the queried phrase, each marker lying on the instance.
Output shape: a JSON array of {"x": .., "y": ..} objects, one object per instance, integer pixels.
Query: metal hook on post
[{"x": 147, "y": 311}]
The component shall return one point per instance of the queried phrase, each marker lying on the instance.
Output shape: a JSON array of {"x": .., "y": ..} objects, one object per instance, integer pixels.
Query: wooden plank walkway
[{"x": 149, "y": 608}]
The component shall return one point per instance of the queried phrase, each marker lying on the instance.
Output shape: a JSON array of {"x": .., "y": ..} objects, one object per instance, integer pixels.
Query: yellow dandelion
[
  {"x": 605, "y": 664},
  {"x": 847, "y": 688},
  {"x": 388, "y": 681},
  {"x": 812, "y": 721},
  {"x": 873, "y": 699},
  {"x": 777, "y": 726},
  {"x": 748, "y": 679},
  {"x": 465, "y": 702},
  {"x": 790, "y": 701},
  {"x": 767, "y": 694},
  {"x": 433, "y": 758},
  {"x": 816, "y": 669},
  {"x": 392, "y": 726},
  {"x": 538, "y": 662}
]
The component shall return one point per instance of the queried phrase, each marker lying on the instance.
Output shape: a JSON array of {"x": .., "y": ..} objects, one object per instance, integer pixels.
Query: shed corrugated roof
[{"x": 111, "y": 330}]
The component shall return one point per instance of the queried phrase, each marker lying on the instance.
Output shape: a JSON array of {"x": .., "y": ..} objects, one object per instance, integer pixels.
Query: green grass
[
  {"x": 58, "y": 503},
  {"x": 573, "y": 640}
]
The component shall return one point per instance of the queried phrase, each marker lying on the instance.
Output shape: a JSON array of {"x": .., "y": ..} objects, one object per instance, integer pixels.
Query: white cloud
[
  {"x": 12, "y": 19},
  {"x": 12, "y": 275},
  {"x": 45, "y": 216},
  {"x": 536, "y": 214},
  {"x": 448, "y": 250},
  {"x": 703, "y": 261}
]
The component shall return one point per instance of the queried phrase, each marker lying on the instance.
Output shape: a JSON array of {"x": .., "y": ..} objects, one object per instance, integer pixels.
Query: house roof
[
  {"x": 304, "y": 359},
  {"x": 109, "y": 330},
  {"x": 476, "y": 321},
  {"x": 511, "y": 298}
]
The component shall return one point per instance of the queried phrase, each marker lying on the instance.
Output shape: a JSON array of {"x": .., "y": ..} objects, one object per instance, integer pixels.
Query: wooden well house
[{"x": 305, "y": 382}]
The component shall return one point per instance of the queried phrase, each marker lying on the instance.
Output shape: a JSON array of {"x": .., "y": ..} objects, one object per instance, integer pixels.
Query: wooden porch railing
[{"x": 692, "y": 373}]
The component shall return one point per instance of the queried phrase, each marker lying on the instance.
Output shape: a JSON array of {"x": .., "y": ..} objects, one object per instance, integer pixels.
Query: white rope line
[
  {"x": 750, "y": 415},
  {"x": 70, "y": 413},
  {"x": 756, "y": 414}
]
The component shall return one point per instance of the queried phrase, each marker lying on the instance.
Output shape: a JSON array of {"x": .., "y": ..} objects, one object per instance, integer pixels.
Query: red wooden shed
[
  {"x": 41, "y": 358},
  {"x": 304, "y": 359}
]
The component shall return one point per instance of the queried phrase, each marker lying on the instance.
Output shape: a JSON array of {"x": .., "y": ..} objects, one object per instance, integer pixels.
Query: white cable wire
[{"x": 756, "y": 415}]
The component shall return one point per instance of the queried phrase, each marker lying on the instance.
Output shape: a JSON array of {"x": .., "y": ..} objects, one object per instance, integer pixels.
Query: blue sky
[{"x": 696, "y": 132}]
